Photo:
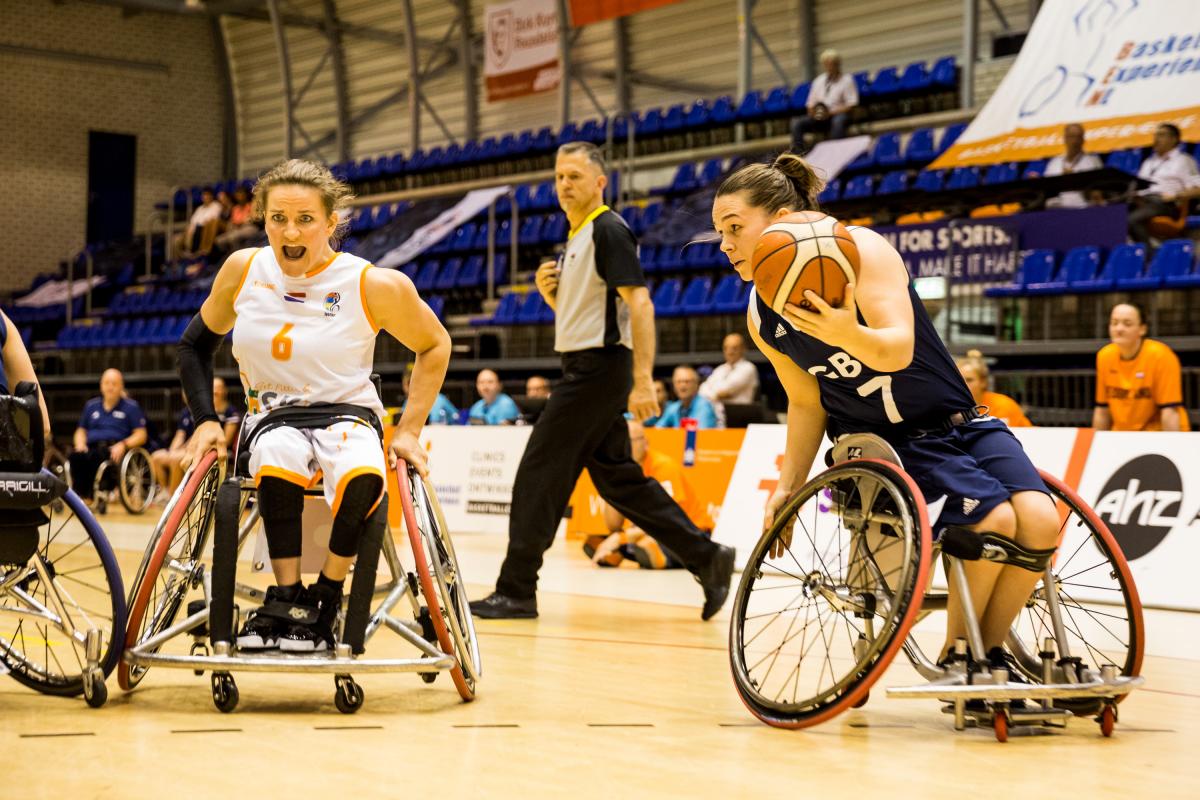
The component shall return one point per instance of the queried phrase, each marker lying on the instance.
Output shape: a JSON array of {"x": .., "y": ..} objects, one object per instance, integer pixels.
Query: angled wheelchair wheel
[
  {"x": 135, "y": 483},
  {"x": 76, "y": 576},
  {"x": 171, "y": 563},
  {"x": 814, "y": 628},
  {"x": 440, "y": 579},
  {"x": 1099, "y": 604}
]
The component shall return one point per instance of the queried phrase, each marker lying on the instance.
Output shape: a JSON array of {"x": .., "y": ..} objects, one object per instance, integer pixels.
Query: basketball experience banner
[
  {"x": 1118, "y": 67},
  {"x": 521, "y": 49},
  {"x": 585, "y": 12}
]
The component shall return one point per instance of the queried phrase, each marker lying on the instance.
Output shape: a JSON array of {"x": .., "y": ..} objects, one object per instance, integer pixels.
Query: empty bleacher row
[{"x": 1085, "y": 270}]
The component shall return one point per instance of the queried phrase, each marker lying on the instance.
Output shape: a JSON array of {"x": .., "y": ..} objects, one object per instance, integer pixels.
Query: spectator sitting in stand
[
  {"x": 443, "y": 411},
  {"x": 975, "y": 373},
  {"x": 735, "y": 381},
  {"x": 627, "y": 541},
  {"x": 202, "y": 226},
  {"x": 241, "y": 226},
  {"x": 537, "y": 387},
  {"x": 690, "y": 404},
  {"x": 494, "y": 407},
  {"x": 831, "y": 99},
  {"x": 1072, "y": 160},
  {"x": 1170, "y": 171}
]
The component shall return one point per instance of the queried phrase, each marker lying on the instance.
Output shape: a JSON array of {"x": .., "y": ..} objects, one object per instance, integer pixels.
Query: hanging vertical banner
[
  {"x": 1117, "y": 67},
  {"x": 585, "y": 12},
  {"x": 521, "y": 49}
]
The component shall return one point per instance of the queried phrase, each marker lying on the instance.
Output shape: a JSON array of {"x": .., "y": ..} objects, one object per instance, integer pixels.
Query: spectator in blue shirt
[
  {"x": 690, "y": 404},
  {"x": 494, "y": 407},
  {"x": 443, "y": 411},
  {"x": 109, "y": 426}
]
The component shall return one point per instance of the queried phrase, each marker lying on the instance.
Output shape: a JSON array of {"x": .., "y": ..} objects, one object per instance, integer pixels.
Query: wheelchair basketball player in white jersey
[
  {"x": 304, "y": 319},
  {"x": 829, "y": 360}
]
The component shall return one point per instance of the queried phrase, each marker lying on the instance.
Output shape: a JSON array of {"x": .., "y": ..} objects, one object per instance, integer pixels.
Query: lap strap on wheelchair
[
  {"x": 968, "y": 545},
  {"x": 362, "y": 587}
]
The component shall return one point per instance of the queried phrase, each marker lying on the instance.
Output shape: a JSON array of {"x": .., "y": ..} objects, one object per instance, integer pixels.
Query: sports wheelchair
[
  {"x": 62, "y": 603},
  {"x": 135, "y": 483},
  {"x": 441, "y": 628},
  {"x": 815, "y": 628}
]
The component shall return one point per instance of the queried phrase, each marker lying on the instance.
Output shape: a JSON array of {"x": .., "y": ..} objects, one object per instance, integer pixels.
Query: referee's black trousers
[{"x": 584, "y": 425}]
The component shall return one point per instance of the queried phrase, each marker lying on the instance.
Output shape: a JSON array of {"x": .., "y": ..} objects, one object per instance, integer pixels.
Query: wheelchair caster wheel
[
  {"x": 428, "y": 677},
  {"x": 1000, "y": 725},
  {"x": 224, "y": 692},
  {"x": 1107, "y": 720},
  {"x": 349, "y": 695},
  {"x": 97, "y": 694}
]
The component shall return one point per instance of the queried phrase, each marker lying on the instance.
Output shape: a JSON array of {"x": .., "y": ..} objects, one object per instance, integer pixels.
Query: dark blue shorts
[{"x": 976, "y": 467}]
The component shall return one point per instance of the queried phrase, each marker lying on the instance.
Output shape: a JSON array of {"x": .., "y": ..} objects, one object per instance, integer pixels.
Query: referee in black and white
[{"x": 604, "y": 329}]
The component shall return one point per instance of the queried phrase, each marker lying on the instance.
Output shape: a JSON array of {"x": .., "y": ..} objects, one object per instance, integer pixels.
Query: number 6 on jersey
[{"x": 281, "y": 345}]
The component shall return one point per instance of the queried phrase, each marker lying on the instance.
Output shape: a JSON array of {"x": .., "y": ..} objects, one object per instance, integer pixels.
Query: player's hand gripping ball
[{"x": 807, "y": 250}]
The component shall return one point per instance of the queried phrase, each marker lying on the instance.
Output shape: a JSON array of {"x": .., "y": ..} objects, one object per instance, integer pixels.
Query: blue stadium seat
[
  {"x": 799, "y": 98},
  {"x": 437, "y": 304},
  {"x": 915, "y": 78},
  {"x": 697, "y": 116},
  {"x": 893, "y": 182},
  {"x": 531, "y": 309},
  {"x": 919, "y": 149},
  {"x": 950, "y": 136},
  {"x": 700, "y": 255},
  {"x": 505, "y": 313},
  {"x": 722, "y": 111},
  {"x": 554, "y": 229},
  {"x": 1036, "y": 267},
  {"x": 887, "y": 81},
  {"x": 453, "y": 155},
  {"x": 1000, "y": 173},
  {"x": 501, "y": 268},
  {"x": 149, "y": 333},
  {"x": 544, "y": 198},
  {"x": 859, "y": 187},
  {"x": 887, "y": 151},
  {"x": 531, "y": 231},
  {"x": 944, "y": 73},
  {"x": 544, "y": 140},
  {"x": 673, "y": 119},
  {"x": 697, "y": 297},
  {"x": 1079, "y": 264},
  {"x": 670, "y": 257},
  {"x": 633, "y": 217},
  {"x": 471, "y": 274},
  {"x": 729, "y": 296},
  {"x": 1125, "y": 261},
  {"x": 504, "y": 233},
  {"x": 666, "y": 298},
  {"x": 710, "y": 172},
  {"x": 447, "y": 276},
  {"x": 778, "y": 102},
  {"x": 568, "y": 133},
  {"x": 1179, "y": 268},
  {"x": 831, "y": 192},
  {"x": 651, "y": 215},
  {"x": 1128, "y": 160},
  {"x": 863, "y": 81},
  {"x": 930, "y": 180},
  {"x": 685, "y": 178},
  {"x": 463, "y": 240},
  {"x": 592, "y": 131},
  {"x": 523, "y": 197},
  {"x": 751, "y": 108},
  {"x": 963, "y": 178},
  {"x": 648, "y": 123},
  {"x": 648, "y": 255},
  {"x": 1035, "y": 169},
  {"x": 411, "y": 269},
  {"x": 427, "y": 276}
]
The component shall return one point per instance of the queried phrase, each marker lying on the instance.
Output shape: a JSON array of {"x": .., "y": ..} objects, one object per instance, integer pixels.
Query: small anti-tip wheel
[
  {"x": 224, "y": 692},
  {"x": 862, "y": 701},
  {"x": 1000, "y": 725},
  {"x": 1108, "y": 720},
  {"x": 98, "y": 695},
  {"x": 428, "y": 677},
  {"x": 426, "y": 622},
  {"x": 349, "y": 695}
]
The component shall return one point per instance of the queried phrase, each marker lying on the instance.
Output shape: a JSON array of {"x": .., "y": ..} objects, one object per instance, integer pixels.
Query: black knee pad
[
  {"x": 281, "y": 504},
  {"x": 358, "y": 498}
]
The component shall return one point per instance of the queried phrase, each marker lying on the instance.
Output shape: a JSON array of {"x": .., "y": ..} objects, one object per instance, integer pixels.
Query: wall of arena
[{"x": 73, "y": 67}]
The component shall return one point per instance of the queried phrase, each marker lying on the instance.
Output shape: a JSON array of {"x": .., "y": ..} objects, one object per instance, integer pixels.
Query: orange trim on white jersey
[
  {"x": 245, "y": 274},
  {"x": 283, "y": 474},
  {"x": 318, "y": 270}
]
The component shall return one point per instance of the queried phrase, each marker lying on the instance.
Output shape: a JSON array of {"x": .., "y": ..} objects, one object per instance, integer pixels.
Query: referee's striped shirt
[{"x": 601, "y": 255}]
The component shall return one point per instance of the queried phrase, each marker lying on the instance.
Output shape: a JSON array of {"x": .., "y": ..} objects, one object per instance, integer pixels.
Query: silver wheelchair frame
[
  {"x": 125, "y": 478},
  {"x": 1063, "y": 676},
  {"x": 461, "y": 659}
]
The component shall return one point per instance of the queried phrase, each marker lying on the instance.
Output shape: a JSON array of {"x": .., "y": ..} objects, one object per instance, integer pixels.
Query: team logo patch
[
  {"x": 295, "y": 297},
  {"x": 332, "y": 303}
]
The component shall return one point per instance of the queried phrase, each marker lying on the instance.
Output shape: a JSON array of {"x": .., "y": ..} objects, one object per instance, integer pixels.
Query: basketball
[{"x": 804, "y": 250}]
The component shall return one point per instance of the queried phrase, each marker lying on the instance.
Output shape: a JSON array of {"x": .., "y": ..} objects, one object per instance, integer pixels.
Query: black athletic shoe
[
  {"x": 314, "y": 615},
  {"x": 266, "y": 623},
  {"x": 500, "y": 606},
  {"x": 715, "y": 578}
]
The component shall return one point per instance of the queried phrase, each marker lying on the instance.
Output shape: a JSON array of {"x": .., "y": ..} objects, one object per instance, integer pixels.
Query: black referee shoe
[
  {"x": 501, "y": 606},
  {"x": 715, "y": 577}
]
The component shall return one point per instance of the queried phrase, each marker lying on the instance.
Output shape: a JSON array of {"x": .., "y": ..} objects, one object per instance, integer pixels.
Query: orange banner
[
  {"x": 1028, "y": 144},
  {"x": 716, "y": 455},
  {"x": 585, "y": 12}
]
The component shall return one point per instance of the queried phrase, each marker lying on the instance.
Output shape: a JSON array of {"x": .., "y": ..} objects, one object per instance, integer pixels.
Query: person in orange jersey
[
  {"x": 627, "y": 541},
  {"x": 1138, "y": 381},
  {"x": 975, "y": 372}
]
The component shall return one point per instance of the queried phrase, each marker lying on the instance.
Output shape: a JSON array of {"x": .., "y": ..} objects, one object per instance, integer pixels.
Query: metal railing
[{"x": 1066, "y": 397}]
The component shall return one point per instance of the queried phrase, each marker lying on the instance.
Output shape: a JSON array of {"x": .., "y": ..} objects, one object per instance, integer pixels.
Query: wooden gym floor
[{"x": 617, "y": 691}]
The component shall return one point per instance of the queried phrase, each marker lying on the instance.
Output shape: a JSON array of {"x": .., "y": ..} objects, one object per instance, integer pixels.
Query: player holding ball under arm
[{"x": 876, "y": 365}]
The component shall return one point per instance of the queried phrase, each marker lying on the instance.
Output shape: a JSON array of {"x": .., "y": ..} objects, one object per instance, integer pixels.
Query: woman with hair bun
[
  {"x": 876, "y": 365},
  {"x": 304, "y": 319},
  {"x": 975, "y": 373}
]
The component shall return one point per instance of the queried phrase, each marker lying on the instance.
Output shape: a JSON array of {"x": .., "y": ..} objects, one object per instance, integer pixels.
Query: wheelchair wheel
[
  {"x": 85, "y": 580},
  {"x": 136, "y": 480},
  {"x": 1101, "y": 611},
  {"x": 176, "y": 544},
  {"x": 813, "y": 629},
  {"x": 440, "y": 579}
]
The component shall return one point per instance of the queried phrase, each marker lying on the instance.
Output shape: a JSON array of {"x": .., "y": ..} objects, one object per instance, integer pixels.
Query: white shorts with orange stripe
[{"x": 334, "y": 455}]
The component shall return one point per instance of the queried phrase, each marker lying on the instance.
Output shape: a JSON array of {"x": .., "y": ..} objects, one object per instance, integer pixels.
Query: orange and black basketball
[{"x": 804, "y": 250}]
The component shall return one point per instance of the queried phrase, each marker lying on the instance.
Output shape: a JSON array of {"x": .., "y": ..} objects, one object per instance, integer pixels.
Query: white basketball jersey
[{"x": 304, "y": 340}]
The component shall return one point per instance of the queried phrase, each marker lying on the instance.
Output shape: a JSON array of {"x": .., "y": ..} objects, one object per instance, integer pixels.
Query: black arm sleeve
[
  {"x": 616, "y": 252},
  {"x": 197, "y": 349}
]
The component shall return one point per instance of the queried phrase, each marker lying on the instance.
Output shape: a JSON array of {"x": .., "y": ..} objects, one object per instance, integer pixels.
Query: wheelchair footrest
[
  {"x": 323, "y": 663},
  {"x": 996, "y": 692}
]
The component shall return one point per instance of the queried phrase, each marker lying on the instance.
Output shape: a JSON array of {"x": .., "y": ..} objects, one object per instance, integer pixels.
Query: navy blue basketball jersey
[{"x": 858, "y": 399}]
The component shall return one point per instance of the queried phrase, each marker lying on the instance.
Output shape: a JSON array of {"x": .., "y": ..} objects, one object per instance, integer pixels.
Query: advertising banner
[
  {"x": 433, "y": 232},
  {"x": 1118, "y": 67},
  {"x": 585, "y": 12},
  {"x": 966, "y": 250},
  {"x": 521, "y": 49}
]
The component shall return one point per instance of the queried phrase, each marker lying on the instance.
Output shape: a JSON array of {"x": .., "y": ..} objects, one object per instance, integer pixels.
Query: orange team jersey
[
  {"x": 670, "y": 474},
  {"x": 1136, "y": 390},
  {"x": 1001, "y": 406}
]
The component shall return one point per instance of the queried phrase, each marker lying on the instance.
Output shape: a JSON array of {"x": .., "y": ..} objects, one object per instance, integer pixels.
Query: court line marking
[
  {"x": 1167, "y": 691},
  {"x": 675, "y": 646},
  {"x": 54, "y": 735},
  {"x": 207, "y": 730},
  {"x": 347, "y": 727},
  {"x": 620, "y": 724},
  {"x": 489, "y": 725}
]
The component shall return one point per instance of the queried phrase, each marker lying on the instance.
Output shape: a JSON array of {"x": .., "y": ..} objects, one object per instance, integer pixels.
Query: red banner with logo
[
  {"x": 520, "y": 48},
  {"x": 585, "y": 12}
]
